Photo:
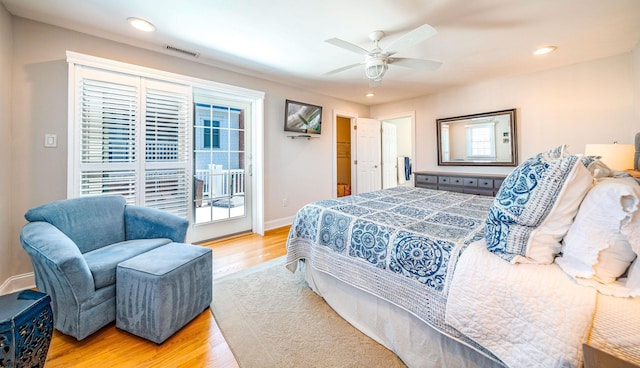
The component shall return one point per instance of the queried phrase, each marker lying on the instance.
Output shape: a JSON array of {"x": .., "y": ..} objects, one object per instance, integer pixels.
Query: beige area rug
[{"x": 271, "y": 318}]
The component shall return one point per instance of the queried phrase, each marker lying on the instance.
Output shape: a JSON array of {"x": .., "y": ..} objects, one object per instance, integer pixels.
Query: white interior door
[
  {"x": 389, "y": 155},
  {"x": 368, "y": 156}
]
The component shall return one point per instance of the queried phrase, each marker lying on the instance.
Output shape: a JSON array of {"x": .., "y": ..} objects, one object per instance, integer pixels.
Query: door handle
[{"x": 375, "y": 167}]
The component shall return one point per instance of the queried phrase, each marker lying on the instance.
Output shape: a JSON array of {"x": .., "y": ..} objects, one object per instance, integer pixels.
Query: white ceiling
[{"x": 283, "y": 40}]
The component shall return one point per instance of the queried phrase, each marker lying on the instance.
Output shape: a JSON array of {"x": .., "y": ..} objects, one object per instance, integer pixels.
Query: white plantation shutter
[
  {"x": 108, "y": 117},
  {"x": 131, "y": 138},
  {"x": 167, "y": 147},
  {"x": 108, "y": 113},
  {"x": 167, "y": 189}
]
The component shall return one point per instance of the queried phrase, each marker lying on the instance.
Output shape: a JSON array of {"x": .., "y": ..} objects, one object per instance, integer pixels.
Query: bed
[{"x": 447, "y": 279}]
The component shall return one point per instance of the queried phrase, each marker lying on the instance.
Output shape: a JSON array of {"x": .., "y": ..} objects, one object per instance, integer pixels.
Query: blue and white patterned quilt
[{"x": 399, "y": 244}]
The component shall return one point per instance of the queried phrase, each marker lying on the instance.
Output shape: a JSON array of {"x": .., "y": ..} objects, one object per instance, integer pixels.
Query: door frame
[
  {"x": 412, "y": 117},
  {"x": 334, "y": 148},
  {"x": 353, "y": 118},
  {"x": 217, "y": 228},
  {"x": 255, "y": 99}
]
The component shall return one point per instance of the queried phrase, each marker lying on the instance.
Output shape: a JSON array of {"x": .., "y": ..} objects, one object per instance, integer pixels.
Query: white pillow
[
  {"x": 613, "y": 261},
  {"x": 632, "y": 281},
  {"x": 632, "y": 231},
  {"x": 605, "y": 236},
  {"x": 535, "y": 206},
  {"x": 596, "y": 167}
]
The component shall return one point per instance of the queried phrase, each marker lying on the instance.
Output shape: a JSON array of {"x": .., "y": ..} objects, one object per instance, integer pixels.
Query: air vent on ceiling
[{"x": 186, "y": 52}]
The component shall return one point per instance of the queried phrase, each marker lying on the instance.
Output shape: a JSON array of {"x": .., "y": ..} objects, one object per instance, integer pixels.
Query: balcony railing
[{"x": 218, "y": 183}]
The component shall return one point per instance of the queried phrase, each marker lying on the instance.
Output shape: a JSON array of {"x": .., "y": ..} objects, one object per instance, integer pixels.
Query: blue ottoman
[{"x": 160, "y": 291}]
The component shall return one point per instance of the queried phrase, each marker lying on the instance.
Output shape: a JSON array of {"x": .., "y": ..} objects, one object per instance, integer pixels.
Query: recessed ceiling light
[
  {"x": 141, "y": 24},
  {"x": 370, "y": 94},
  {"x": 545, "y": 50}
]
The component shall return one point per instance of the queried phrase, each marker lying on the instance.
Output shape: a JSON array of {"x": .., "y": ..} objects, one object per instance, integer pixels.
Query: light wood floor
[{"x": 198, "y": 344}]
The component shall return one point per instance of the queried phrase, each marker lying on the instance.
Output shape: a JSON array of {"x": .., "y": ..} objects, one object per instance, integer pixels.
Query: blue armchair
[{"x": 75, "y": 246}]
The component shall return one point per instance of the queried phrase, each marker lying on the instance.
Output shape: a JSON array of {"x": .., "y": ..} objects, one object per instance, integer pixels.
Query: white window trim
[{"x": 253, "y": 97}]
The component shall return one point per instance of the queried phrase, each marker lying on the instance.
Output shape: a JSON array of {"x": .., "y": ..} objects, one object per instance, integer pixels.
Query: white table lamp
[{"x": 616, "y": 156}]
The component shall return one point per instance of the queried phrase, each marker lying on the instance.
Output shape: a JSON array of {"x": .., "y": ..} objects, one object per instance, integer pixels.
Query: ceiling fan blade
[
  {"x": 411, "y": 38},
  {"x": 347, "y": 46},
  {"x": 415, "y": 63},
  {"x": 374, "y": 82},
  {"x": 342, "y": 69}
]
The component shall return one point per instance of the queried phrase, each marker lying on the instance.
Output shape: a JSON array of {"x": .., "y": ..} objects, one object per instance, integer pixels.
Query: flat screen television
[{"x": 302, "y": 117}]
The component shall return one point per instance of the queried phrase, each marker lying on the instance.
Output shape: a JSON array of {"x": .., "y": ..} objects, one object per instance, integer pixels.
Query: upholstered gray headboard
[{"x": 636, "y": 161}]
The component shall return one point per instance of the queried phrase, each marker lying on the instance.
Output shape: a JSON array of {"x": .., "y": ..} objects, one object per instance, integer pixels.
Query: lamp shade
[{"x": 616, "y": 156}]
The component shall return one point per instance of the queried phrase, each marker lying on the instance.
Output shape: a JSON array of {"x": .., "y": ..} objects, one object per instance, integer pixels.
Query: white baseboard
[
  {"x": 274, "y": 224},
  {"x": 17, "y": 283}
]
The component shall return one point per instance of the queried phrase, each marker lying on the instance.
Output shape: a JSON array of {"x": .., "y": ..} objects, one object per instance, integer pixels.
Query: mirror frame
[{"x": 513, "y": 139}]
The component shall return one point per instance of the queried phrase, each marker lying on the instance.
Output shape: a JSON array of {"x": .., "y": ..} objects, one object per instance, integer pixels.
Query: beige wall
[
  {"x": 7, "y": 242},
  {"x": 636, "y": 79},
  {"x": 590, "y": 102},
  {"x": 404, "y": 134},
  {"x": 298, "y": 170},
  {"x": 457, "y": 142}
]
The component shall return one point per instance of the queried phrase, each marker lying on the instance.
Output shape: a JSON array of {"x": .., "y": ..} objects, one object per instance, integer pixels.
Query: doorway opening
[
  {"x": 223, "y": 200},
  {"x": 403, "y": 153},
  {"x": 219, "y": 163},
  {"x": 343, "y": 156},
  {"x": 381, "y": 152}
]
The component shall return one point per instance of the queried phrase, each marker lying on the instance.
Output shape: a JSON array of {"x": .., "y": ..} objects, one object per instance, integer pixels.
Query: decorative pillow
[
  {"x": 632, "y": 231},
  {"x": 605, "y": 238},
  {"x": 597, "y": 168},
  {"x": 620, "y": 174},
  {"x": 614, "y": 260},
  {"x": 595, "y": 245},
  {"x": 632, "y": 283},
  {"x": 535, "y": 206}
]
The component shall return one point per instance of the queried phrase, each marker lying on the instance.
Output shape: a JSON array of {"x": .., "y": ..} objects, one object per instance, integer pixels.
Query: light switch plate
[{"x": 50, "y": 140}]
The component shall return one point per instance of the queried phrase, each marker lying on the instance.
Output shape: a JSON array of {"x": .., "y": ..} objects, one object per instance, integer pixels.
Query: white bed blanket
[
  {"x": 616, "y": 327},
  {"x": 527, "y": 315}
]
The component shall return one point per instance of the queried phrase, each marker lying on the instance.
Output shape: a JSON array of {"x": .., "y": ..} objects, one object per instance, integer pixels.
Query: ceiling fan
[{"x": 377, "y": 59}]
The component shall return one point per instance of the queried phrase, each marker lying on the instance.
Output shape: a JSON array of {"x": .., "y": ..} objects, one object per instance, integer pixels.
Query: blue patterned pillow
[
  {"x": 589, "y": 160},
  {"x": 535, "y": 206}
]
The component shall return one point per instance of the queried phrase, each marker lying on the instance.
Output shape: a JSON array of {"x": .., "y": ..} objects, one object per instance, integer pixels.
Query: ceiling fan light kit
[
  {"x": 378, "y": 59},
  {"x": 375, "y": 68}
]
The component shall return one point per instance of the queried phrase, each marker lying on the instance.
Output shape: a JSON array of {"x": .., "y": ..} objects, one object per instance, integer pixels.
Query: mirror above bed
[{"x": 486, "y": 139}]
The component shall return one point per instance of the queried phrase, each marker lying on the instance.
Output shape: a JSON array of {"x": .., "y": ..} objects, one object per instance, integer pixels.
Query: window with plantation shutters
[{"x": 131, "y": 138}]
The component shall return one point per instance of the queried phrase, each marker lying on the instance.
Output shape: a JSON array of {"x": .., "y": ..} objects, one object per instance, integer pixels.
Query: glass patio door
[{"x": 221, "y": 158}]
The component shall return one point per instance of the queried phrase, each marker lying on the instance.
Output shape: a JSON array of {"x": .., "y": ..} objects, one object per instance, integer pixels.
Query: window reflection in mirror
[{"x": 487, "y": 139}]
